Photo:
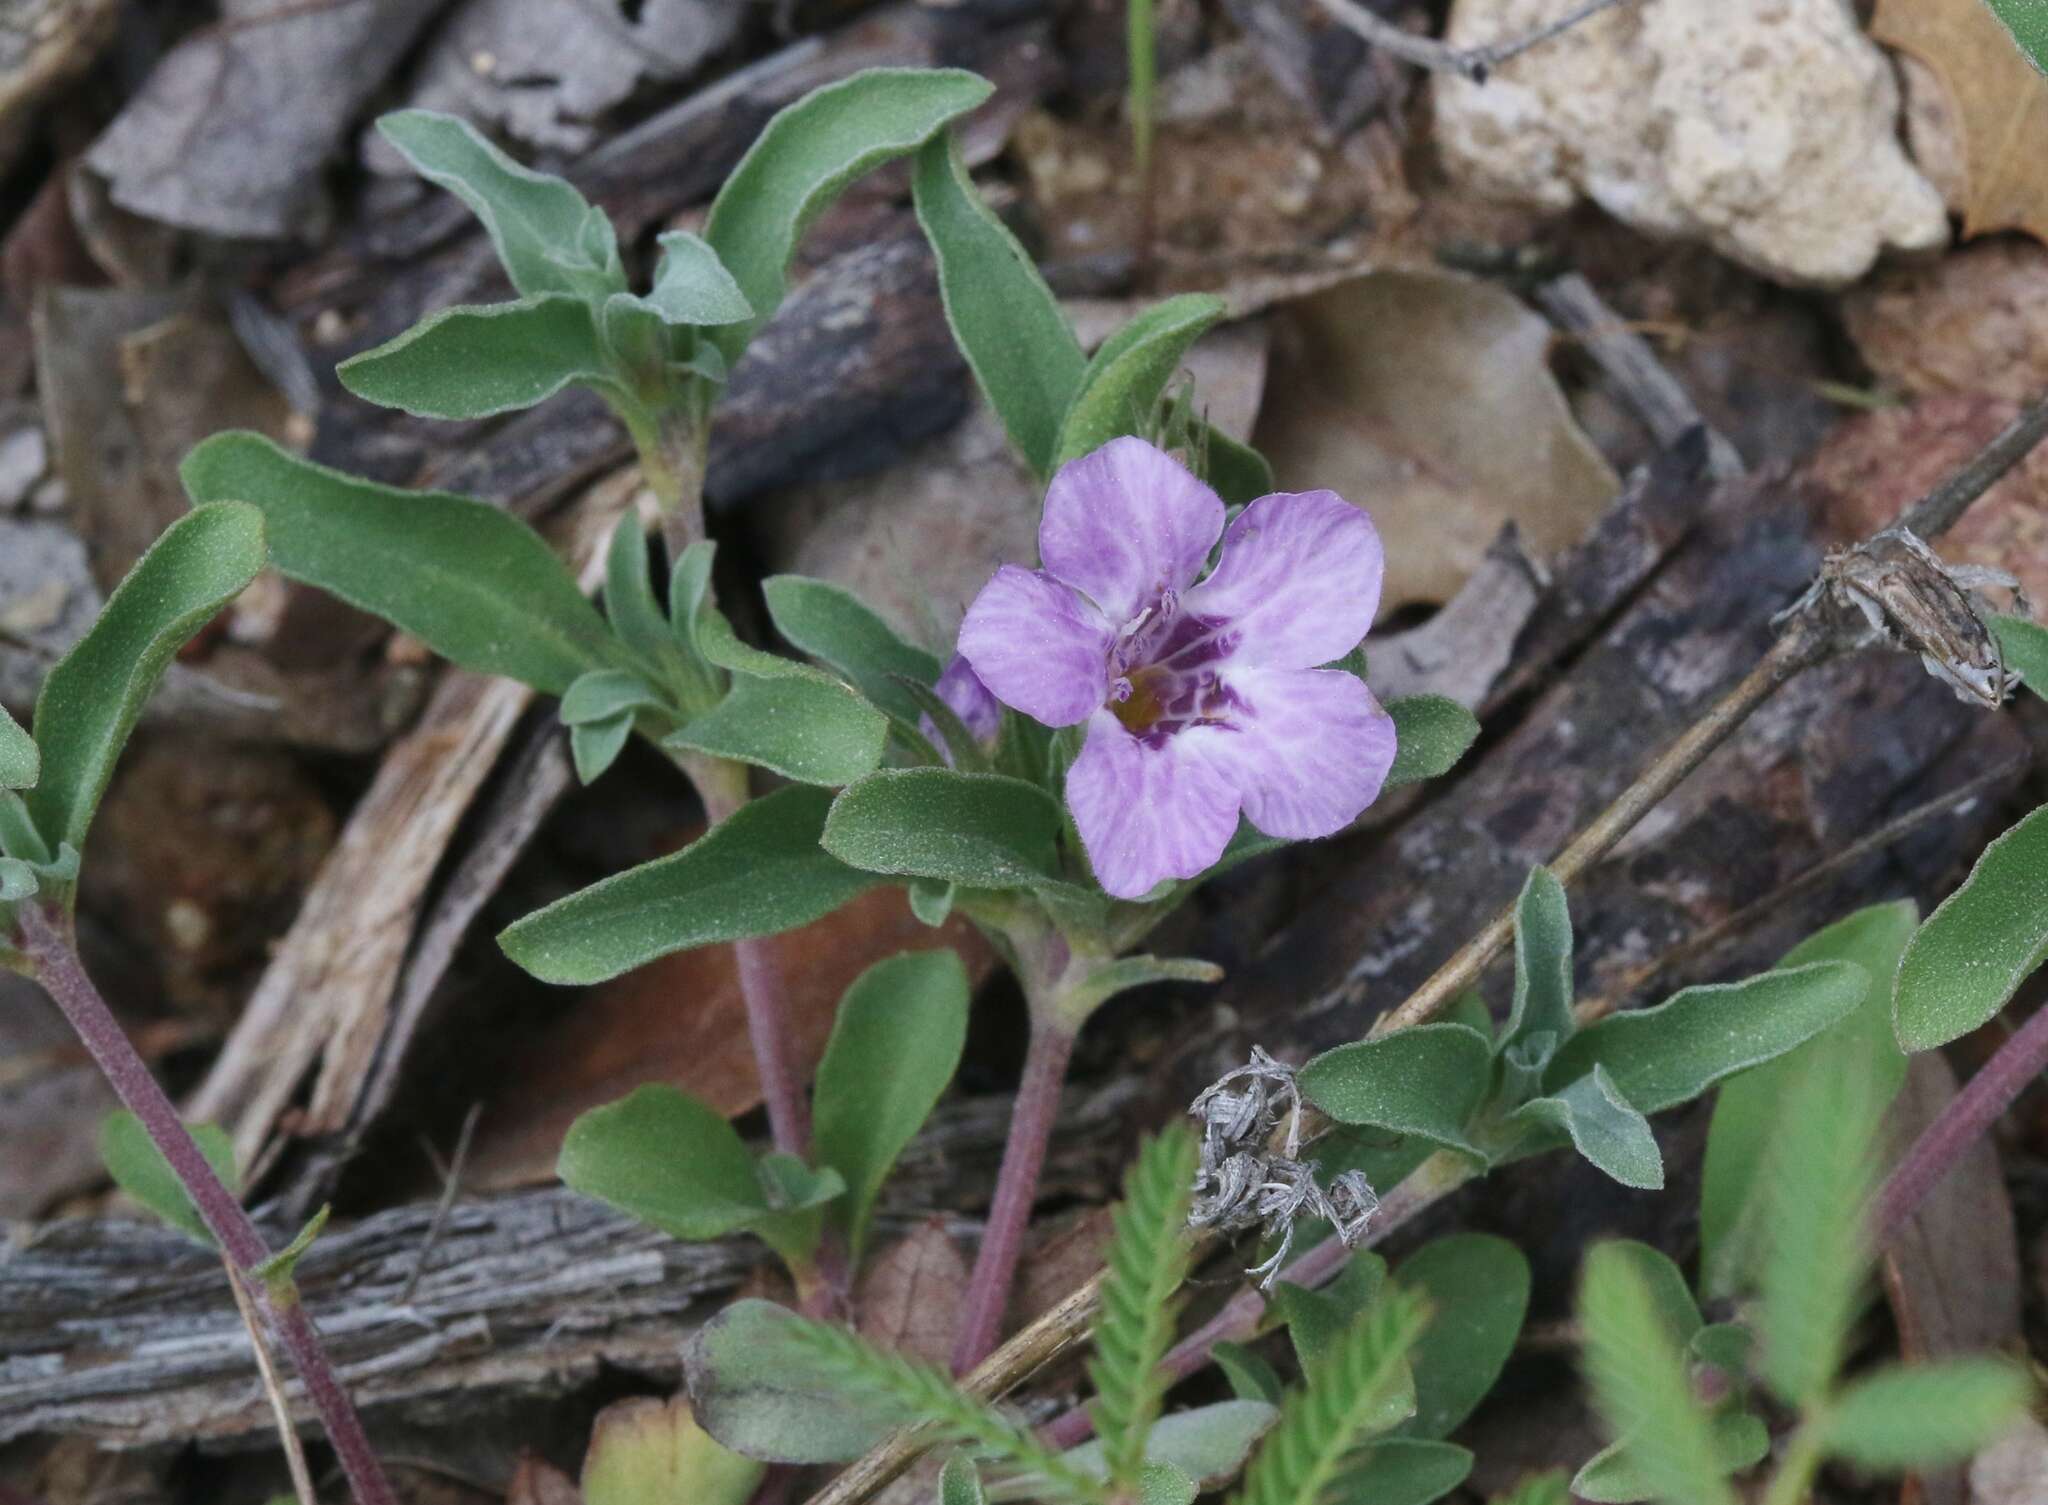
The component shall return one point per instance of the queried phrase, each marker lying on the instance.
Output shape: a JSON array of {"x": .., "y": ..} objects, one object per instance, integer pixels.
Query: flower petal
[
  {"x": 1126, "y": 523},
  {"x": 1147, "y": 811},
  {"x": 1298, "y": 582},
  {"x": 968, "y": 698},
  {"x": 1038, "y": 646},
  {"x": 1306, "y": 749}
]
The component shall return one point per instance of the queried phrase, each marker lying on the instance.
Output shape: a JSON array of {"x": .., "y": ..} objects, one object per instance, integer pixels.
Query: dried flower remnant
[
  {"x": 1914, "y": 601},
  {"x": 1201, "y": 700},
  {"x": 1241, "y": 1183}
]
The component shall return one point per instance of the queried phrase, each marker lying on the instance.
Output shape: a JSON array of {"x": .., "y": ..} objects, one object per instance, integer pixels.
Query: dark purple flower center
[{"x": 1162, "y": 672}]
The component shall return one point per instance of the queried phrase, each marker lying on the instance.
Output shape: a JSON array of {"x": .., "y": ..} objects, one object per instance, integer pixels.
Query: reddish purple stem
[
  {"x": 63, "y": 978},
  {"x": 1009, "y": 1215},
  {"x": 1968, "y": 1116}
]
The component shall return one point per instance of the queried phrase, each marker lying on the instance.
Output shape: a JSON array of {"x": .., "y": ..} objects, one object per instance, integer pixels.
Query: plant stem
[
  {"x": 1793, "y": 1481},
  {"x": 724, "y": 789},
  {"x": 273, "y": 1388},
  {"x": 63, "y": 977},
  {"x": 1009, "y": 1214},
  {"x": 1142, "y": 60},
  {"x": 1968, "y": 1116}
]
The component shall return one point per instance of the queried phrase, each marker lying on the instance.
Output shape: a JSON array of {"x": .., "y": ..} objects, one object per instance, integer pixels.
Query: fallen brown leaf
[
  {"x": 681, "y": 1020},
  {"x": 535, "y": 1482},
  {"x": 1973, "y": 321},
  {"x": 911, "y": 1295},
  {"x": 2000, "y": 101},
  {"x": 1425, "y": 398}
]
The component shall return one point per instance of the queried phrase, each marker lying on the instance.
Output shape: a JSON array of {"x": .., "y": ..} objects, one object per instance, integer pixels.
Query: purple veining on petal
[{"x": 1200, "y": 698}]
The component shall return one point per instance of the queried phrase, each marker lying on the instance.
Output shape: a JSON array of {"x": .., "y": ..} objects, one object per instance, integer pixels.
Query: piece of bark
[
  {"x": 127, "y": 1332},
  {"x": 229, "y": 133}
]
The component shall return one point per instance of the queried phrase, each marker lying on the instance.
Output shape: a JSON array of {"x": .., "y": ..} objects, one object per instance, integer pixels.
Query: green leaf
[
  {"x": 1206, "y": 1443},
  {"x": 20, "y": 764},
  {"x": 1603, "y": 1126},
  {"x": 1431, "y": 732},
  {"x": 139, "y": 1168},
  {"x": 1543, "y": 962},
  {"x": 90, "y": 700},
  {"x": 644, "y": 1450},
  {"x": 1401, "y": 1471},
  {"x": 832, "y": 625},
  {"x": 549, "y": 239},
  {"x": 781, "y": 715},
  {"x": 1967, "y": 961},
  {"x": 1640, "y": 1384},
  {"x": 1360, "y": 1390},
  {"x": 1478, "y": 1287},
  {"x": 1612, "y": 1476},
  {"x": 1926, "y": 1415},
  {"x": 1134, "y": 1322},
  {"x": 776, "y": 1386},
  {"x": 1426, "y": 1081},
  {"x": 2024, "y": 646},
  {"x": 1239, "y": 474},
  {"x": 1124, "y": 381},
  {"x": 605, "y": 694},
  {"x": 595, "y": 745},
  {"x": 1671, "y": 1298},
  {"x": 896, "y": 1041},
  {"x": 1725, "y": 1345},
  {"x": 1163, "y": 1484},
  {"x": 764, "y": 1394},
  {"x": 481, "y": 360},
  {"x": 1004, "y": 318},
  {"x": 636, "y": 616},
  {"x": 278, "y": 1270},
  {"x": 980, "y": 830},
  {"x": 757, "y": 873},
  {"x": 18, "y": 880},
  {"x": 960, "y": 1482},
  {"x": 474, "y": 583},
  {"x": 2027, "y": 22},
  {"x": 693, "y": 287},
  {"x": 1250, "y": 1376},
  {"x": 805, "y": 156},
  {"x": 1670, "y": 1054},
  {"x": 1814, "y": 1274},
  {"x": 1746, "y": 1114},
  {"x": 661, "y": 1156},
  {"x": 1319, "y": 1320},
  {"x": 797, "y": 1195}
]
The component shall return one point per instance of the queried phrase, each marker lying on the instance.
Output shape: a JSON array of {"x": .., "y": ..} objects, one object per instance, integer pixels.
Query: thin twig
[
  {"x": 1937, "y": 511},
  {"x": 451, "y": 1183},
  {"x": 1474, "y": 63},
  {"x": 273, "y": 1389}
]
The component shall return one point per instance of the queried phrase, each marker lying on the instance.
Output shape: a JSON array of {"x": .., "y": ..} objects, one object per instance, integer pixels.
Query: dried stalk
[{"x": 1474, "y": 63}]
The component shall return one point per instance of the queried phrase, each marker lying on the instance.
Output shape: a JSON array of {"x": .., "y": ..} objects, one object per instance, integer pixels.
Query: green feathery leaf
[
  {"x": 923, "y": 1391},
  {"x": 1639, "y": 1382},
  {"x": 1361, "y": 1387},
  {"x": 1134, "y": 1322},
  {"x": 1817, "y": 1261}
]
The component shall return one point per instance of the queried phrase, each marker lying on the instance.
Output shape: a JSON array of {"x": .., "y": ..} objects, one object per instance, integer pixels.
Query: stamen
[{"x": 1120, "y": 689}]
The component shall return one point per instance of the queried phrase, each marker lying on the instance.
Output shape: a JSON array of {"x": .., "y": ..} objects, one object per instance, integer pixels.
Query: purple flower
[
  {"x": 1202, "y": 700},
  {"x": 968, "y": 698}
]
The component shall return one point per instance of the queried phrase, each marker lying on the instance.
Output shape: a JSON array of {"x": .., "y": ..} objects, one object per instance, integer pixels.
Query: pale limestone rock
[{"x": 1767, "y": 128}]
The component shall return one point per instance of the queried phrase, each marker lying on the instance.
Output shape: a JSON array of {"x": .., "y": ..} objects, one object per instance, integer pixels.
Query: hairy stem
[
  {"x": 1009, "y": 1214},
  {"x": 1967, "y": 1118},
  {"x": 63, "y": 978}
]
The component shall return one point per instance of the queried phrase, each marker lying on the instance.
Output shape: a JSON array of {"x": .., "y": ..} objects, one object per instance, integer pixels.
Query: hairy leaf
[
  {"x": 1134, "y": 1321},
  {"x": 20, "y": 764},
  {"x": 139, "y": 1168},
  {"x": 1478, "y": 1286},
  {"x": 1425, "y": 1081},
  {"x": 1925, "y": 1415},
  {"x": 803, "y": 158},
  {"x": 2024, "y": 645},
  {"x": 474, "y": 583},
  {"x": 895, "y": 1043},
  {"x": 1639, "y": 1382},
  {"x": 1670, "y": 1054},
  {"x": 960, "y": 1482},
  {"x": 90, "y": 700},
  {"x": 547, "y": 236},
  {"x": 1401, "y": 1471},
  {"x": 982, "y": 830},
  {"x": 693, "y": 287},
  {"x": 1603, "y": 1126},
  {"x": 1004, "y": 318},
  {"x": 480, "y": 360},
  {"x": 1612, "y": 1476},
  {"x": 2027, "y": 20},
  {"x": 1205, "y": 1443},
  {"x": 1431, "y": 732},
  {"x": 1123, "y": 383},
  {"x": 1967, "y": 961},
  {"x": 833, "y": 626},
  {"x": 665, "y": 1158},
  {"x": 1543, "y": 962},
  {"x": 759, "y": 872}
]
